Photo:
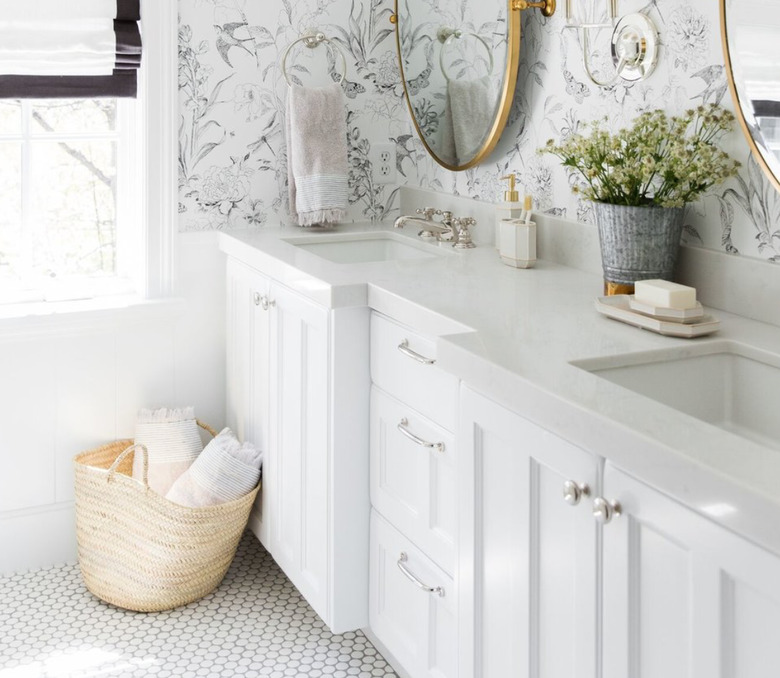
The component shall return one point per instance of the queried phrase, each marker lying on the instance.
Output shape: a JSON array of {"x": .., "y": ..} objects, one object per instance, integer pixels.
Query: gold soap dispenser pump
[{"x": 510, "y": 208}]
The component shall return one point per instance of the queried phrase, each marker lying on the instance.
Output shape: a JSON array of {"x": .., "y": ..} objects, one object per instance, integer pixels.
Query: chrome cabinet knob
[
  {"x": 263, "y": 301},
  {"x": 573, "y": 492},
  {"x": 604, "y": 511}
]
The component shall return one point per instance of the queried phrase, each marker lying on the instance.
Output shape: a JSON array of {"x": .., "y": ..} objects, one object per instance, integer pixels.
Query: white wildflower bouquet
[{"x": 658, "y": 161}]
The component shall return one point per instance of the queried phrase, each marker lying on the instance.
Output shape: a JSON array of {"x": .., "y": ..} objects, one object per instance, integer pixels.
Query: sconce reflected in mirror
[{"x": 634, "y": 40}]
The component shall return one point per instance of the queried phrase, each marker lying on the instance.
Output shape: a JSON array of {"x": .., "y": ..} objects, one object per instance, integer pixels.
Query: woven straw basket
[{"x": 139, "y": 551}]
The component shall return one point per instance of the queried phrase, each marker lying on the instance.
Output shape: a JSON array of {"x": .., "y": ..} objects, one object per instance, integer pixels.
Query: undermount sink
[
  {"x": 361, "y": 248},
  {"x": 733, "y": 386}
]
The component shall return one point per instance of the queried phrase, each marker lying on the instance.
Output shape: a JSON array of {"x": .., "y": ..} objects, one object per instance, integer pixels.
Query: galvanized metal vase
[{"x": 637, "y": 243}]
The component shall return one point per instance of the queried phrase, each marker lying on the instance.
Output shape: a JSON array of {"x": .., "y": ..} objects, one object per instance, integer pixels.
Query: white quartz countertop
[{"x": 512, "y": 334}]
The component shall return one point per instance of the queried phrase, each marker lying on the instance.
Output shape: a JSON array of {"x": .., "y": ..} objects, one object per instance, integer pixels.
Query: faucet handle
[
  {"x": 428, "y": 212},
  {"x": 463, "y": 224}
]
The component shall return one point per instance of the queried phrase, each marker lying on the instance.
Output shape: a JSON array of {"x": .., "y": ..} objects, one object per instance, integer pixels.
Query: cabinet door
[
  {"x": 299, "y": 407},
  {"x": 683, "y": 596},
  {"x": 528, "y": 564},
  {"x": 247, "y": 366}
]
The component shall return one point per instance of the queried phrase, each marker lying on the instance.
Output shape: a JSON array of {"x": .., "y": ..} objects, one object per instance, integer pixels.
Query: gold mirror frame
[
  {"x": 754, "y": 147},
  {"x": 507, "y": 93}
]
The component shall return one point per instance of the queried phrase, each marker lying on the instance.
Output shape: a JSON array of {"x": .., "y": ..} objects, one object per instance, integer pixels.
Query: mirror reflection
[
  {"x": 454, "y": 62},
  {"x": 751, "y": 30}
]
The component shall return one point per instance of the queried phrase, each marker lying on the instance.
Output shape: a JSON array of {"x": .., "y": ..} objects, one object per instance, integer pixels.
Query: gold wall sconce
[
  {"x": 546, "y": 7},
  {"x": 634, "y": 42}
]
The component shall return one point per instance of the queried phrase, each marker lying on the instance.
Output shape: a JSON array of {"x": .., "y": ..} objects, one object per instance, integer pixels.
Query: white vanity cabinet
[
  {"x": 570, "y": 569},
  {"x": 683, "y": 596},
  {"x": 297, "y": 385},
  {"x": 529, "y": 554},
  {"x": 412, "y": 583}
]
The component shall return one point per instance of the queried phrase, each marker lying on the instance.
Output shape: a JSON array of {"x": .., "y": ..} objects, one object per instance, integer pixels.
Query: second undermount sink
[
  {"x": 733, "y": 386},
  {"x": 361, "y": 248}
]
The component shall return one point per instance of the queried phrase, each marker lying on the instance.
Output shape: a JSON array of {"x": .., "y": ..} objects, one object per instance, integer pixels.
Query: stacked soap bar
[{"x": 664, "y": 294}]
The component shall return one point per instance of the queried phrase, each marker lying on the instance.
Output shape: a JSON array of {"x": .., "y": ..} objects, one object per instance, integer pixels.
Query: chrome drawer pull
[
  {"x": 402, "y": 427},
  {"x": 404, "y": 348},
  {"x": 438, "y": 590}
]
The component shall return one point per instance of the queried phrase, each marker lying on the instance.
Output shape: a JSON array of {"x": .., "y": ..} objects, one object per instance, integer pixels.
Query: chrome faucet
[
  {"x": 430, "y": 229},
  {"x": 448, "y": 229}
]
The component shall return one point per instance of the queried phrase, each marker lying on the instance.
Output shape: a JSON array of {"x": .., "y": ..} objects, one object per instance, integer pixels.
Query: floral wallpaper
[{"x": 232, "y": 159}]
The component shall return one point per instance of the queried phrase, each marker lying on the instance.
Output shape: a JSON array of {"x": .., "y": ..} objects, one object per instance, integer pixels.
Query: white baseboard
[{"x": 37, "y": 538}]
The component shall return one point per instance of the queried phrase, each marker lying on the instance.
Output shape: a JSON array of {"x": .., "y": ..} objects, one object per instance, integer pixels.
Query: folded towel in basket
[
  {"x": 172, "y": 442},
  {"x": 225, "y": 471},
  {"x": 317, "y": 155}
]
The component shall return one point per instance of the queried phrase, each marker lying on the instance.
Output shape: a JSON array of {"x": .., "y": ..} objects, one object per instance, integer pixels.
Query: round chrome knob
[
  {"x": 604, "y": 511},
  {"x": 258, "y": 299},
  {"x": 573, "y": 492}
]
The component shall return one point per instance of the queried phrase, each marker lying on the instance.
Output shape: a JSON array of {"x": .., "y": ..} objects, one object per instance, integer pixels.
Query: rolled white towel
[
  {"x": 225, "y": 471},
  {"x": 173, "y": 442}
]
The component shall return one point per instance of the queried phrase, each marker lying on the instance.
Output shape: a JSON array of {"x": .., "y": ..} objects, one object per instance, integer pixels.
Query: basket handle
[
  {"x": 207, "y": 428},
  {"x": 118, "y": 460}
]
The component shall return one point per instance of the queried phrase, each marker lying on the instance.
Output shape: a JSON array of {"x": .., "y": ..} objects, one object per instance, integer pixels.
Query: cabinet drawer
[
  {"x": 403, "y": 364},
  {"x": 412, "y": 484},
  {"x": 416, "y": 624}
]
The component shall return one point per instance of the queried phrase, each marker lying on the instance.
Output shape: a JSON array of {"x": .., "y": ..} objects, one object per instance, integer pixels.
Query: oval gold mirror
[
  {"x": 459, "y": 63},
  {"x": 751, "y": 46}
]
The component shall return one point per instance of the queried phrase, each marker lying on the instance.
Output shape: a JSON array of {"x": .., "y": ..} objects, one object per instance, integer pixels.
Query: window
[
  {"x": 69, "y": 227},
  {"x": 89, "y": 186}
]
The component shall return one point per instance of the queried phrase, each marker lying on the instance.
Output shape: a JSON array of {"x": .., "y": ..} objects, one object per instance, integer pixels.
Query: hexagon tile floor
[{"x": 255, "y": 624}]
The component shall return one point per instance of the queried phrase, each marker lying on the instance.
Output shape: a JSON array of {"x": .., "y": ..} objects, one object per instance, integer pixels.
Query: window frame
[{"x": 158, "y": 122}]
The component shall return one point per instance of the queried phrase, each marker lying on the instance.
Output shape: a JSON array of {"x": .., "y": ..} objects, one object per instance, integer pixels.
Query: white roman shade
[{"x": 69, "y": 48}]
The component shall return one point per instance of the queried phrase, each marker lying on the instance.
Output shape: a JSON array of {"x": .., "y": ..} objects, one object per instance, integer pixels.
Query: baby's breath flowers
[{"x": 660, "y": 161}]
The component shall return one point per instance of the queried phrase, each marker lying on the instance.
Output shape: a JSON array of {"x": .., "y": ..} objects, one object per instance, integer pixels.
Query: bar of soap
[{"x": 665, "y": 294}]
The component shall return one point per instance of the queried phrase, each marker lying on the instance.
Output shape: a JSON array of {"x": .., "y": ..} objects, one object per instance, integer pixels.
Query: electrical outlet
[{"x": 383, "y": 169}]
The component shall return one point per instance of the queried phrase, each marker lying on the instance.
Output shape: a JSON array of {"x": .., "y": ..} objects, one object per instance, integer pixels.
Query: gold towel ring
[
  {"x": 312, "y": 39},
  {"x": 446, "y": 37}
]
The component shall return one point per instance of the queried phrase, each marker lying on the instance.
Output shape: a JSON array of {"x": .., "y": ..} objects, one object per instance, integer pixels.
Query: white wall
[{"x": 71, "y": 383}]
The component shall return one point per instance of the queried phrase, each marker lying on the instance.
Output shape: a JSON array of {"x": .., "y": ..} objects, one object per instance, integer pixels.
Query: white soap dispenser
[{"x": 511, "y": 208}]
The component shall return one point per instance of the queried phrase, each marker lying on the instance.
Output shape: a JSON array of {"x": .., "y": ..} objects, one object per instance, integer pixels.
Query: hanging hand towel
[
  {"x": 317, "y": 155},
  {"x": 172, "y": 441},
  {"x": 225, "y": 471},
  {"x": 473, "y": 108}
]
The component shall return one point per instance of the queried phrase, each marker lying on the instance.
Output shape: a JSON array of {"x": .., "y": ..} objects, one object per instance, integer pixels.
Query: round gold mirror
[
  {"x": 751, "y": 46},
  {"x": 459, "y": 64}
]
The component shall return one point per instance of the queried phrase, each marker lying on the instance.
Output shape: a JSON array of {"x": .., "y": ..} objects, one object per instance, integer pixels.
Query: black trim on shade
[
  {"x": 129, "y": 10},
  {"x": 766, "y": 108},
  {"x": 128, "y": 37},
  {"x": 123, "y": 83}
]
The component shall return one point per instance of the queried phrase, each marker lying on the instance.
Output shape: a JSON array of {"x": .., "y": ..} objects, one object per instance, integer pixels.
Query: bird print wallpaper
[{"x": 232, "y": 155}]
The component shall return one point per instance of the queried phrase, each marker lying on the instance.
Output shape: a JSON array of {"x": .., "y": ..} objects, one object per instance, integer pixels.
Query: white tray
[
  {"x": 618, "y": 308},
  {"x": 689, "y": 315}
]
